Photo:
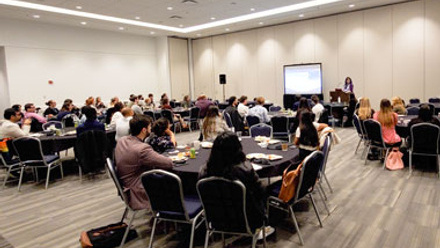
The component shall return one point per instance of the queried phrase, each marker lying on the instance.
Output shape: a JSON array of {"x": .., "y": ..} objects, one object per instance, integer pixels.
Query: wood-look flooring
[{"x": 370, "y": 207}]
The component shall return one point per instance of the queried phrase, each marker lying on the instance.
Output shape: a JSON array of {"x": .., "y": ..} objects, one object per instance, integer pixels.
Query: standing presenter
[{"x": 348, "y": 85}]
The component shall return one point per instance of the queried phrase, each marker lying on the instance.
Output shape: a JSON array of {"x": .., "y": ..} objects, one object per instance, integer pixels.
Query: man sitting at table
[
  {"x": 9, "y": 127},
  {"x": 30, "y": 113},
  {"x": 242, "y": 107},
  {"x": 91, "y": 123},
  {"x": 259, "y": 110},
  {"x": 133, "y": 157},
  {"x": 425, "y": 116},
  {"x": 318, "y": 108}
]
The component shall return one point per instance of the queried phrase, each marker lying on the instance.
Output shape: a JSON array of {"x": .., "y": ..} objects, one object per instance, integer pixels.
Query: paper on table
[{"x": 256, "y": 166}]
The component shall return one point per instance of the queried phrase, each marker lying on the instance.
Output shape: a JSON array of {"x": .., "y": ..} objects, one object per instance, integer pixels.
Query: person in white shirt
[
  {"x": 117, "y": 115},
  {"x": 243, "y": 110},
  {"x": 9, "y": 127},
  {"x": 259, "y": 110},
  {"x": 318, "y": 108},
  {"x": 123, "y": 124}
]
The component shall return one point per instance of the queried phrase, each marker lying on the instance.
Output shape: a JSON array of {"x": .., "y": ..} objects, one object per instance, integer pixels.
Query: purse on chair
[
  {"x": 394, "y": 160},
  {"x": 289, "y": 183}
]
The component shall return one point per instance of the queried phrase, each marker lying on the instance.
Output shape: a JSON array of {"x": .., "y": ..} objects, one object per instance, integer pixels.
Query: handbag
[
  {"x": 394, "y": 160},
  {"x": 289, "y": 183},
  {"x": 106, "y": 236}
]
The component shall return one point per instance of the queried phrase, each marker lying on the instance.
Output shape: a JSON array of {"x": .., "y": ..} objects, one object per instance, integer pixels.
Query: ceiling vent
[
  {"x": 190, "y": 1},
  {"x": 175, "y": 17}
]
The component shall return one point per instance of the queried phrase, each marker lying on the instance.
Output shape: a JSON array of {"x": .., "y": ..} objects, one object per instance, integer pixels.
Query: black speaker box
[{"x": 222, "y": 78}]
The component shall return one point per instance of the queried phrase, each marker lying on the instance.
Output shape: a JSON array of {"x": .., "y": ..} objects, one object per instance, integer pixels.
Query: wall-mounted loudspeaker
[{"x": 222, "y": 78}]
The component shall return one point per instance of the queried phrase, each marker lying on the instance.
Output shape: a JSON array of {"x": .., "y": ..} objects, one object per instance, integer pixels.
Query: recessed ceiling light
[
  {"x": 351, "y": 5},
  {"x": 36, "y": 16},
  {"x": 181, "y": 25},
  {"x": 301, "y": 15},
  {"x": 227, "y": 29},
  {"x": 261, "y": 23},
  {"x": 212, "y": 18},
  {"x": 121, "y": 28},
  {"x": 169, "y": 8},
  {"x": 78, "y": 7},
  {"x": 137, "y": 18},
  {"x": 83, "y": 23},
  {"x": 198, "y": 35},
  {"x": 152, "y": 32},
  {"x": 252, "y": 9}
]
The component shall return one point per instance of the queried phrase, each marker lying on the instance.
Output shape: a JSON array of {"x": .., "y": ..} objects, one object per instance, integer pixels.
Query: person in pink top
[
  {"x": 388, "y": 120},
  {"x": 30, "y": 113}
]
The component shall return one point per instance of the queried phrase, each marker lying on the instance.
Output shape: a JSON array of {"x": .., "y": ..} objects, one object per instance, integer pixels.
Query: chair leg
[
  {"x": 124, "y": 214},
  {"x": 128, "y": 229},
  {"x": 80, "y": 173},
  {"x": 385, "y": 159},
  {"x": 366, "y": 156},
  {"x": 152, "y": 233},
  {"x": 62, "y": 170},
  {"x": 324, "y": 201},
  {"x": 191, "y": 239},
  {"x": 438, "y": 166},
  {"x": 316, "y": 209},
  {"x": 410, "y": 163},
  {"x": 36, "y": 174},
  {"x": 355, "y": 151},
  {"x": 207, "y": 238},
  {"x": 321, "y": 191},
  {"x": 21, "y": 178},
  {"x": 47, "y": 177},
  {"x": 295, "y": 222},
  {"x": 7, "y": 176},
  {"x": 328, "y": 183}
]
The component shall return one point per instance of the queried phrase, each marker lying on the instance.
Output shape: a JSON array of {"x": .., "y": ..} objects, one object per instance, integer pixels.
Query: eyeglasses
[{"x": 18, "y": 114}]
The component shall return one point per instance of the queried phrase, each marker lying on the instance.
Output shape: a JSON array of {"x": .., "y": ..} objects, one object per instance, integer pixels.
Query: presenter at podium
[{"x": 348, "y": 85}]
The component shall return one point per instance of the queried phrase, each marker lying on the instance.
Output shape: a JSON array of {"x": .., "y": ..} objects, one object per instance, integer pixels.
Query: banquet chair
[
  {"x": 330, "y": 116},
  {"x": 373, "y": 130},
  {"x": 166, "y": 113},
  {"x": 252, "y": 120},
  {"x": 111, "y": 168},
  {"x": 91, "y": 151},
  {"x": 424, "y": 141},
  {"x": 274, "y": 108},
  {"x": 30, "y": 153},
  {"x": 357, "y": 123},
  {"x": 224, "y": 204},
  {"x": 194, "y": 116},
  {"x": 228, "y": 119},
  {"x": 325, "y": 149},
  {"x": 280, "y": 127},
  {"x": 56, "y": 124},
  {"x": 168, "y": 203},
  {"x": 434, "y": 100},
  {"x": 69, "y": 120},
  {"x": 414, "y": 100},
  {"x": 36, "y": 126},
  {"x": 10, "y": 164},
  {"x": 151, "y": 114},
  {"x": 413, "y": 110},
  {"x": 308, "y": 176},
  {"x": 260, "y": 129}
]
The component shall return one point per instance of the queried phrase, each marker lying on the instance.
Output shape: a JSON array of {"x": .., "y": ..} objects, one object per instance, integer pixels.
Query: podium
[{"x": 334, "y": 95}]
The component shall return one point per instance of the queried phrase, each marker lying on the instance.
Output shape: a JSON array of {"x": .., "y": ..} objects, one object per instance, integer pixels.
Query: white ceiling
[{"x": 191, "y": 14}]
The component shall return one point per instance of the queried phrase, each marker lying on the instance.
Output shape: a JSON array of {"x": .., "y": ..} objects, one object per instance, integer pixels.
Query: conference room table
[
  {"x": 402, "y": 124},
  {"x": 177, "y": 110},
  {"x": 436, "y": 106},
  {"x": 189, "y": 171}
]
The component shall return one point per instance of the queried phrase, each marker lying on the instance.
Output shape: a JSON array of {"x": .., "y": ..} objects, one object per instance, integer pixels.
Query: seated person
[
  {"x": 162, "y": 138},
  {"x": 123, "y": 124},
  {"x": 236, "y": 119},
  {"x": 133, "y": 157},
  {"x": 398, "y": 106},
  {"x": 388, "y": 120},
  {"x": 242, "y": 107},
  {"x": 213, "y": 124},
  {"x": 364, "y": 112},
  {"x": 425, "y": 116},
  {"x": 186, "y": 103},
  {"x": 306, "y": 136},
  {"x": 318, "y": 108},
  {"x": 91, "y": 122},
  {"x": 203, "y": 103},
  {"x": 9, "y": 127},
  {"x": 30, "y": 113},
  {"x": 116, "y": 115},
  {"x": 52, "y": 110},
  {"x": 176, "y": 117},
  {"x": 228, "y": 161},
  {"x": 148, "y": 105},
  {"x": 134, "y": 102},
  {"x": 259, "y": 110},
  {"x": 99, "y": 103}
]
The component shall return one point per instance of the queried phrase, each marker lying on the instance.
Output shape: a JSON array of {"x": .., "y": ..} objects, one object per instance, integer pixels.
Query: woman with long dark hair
[
  {"x": 162, "y": 138},
  {"x": 227, "y": 160},
  {"x": 306, "y": 135},
  {"x": 213, "y": 124},
  {"x": 348, "y": 85}
]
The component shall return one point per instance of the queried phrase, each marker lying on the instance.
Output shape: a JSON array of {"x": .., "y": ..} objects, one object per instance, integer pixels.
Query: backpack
[
  {"x": 289, "y": 183},
  {"x": 106, "y": 236}
]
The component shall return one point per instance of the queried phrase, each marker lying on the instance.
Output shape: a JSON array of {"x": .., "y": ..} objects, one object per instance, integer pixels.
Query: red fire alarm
[{"x": 50, "y": 82}]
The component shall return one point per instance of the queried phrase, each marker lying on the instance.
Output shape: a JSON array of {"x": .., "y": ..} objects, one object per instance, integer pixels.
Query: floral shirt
[{"x": 160, "y": 143}]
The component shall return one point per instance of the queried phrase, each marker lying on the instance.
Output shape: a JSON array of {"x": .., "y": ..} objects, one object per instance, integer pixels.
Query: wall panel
[
  {"x": 179, "y": 74},
  {"x": 432, "y": 49}
]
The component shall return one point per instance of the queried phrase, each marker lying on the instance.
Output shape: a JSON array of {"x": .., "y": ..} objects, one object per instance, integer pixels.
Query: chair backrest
[
  {"x": 56, "y": 124},
  {"x": 91, "y": 150},
  {"x": 357, "y": 124},
  {"x": 166, "y": 113},
  {"x": 252, "y": 120},
  {"x": 434, "y": 100},
  {"x": 374, "y": 132},
  {"x": 274, "y": 108},
  {"x": 112, "y": 171},
  {"x": 228, "y": 119},
  {"x": 329, "y": 110},
  {"x": 194, "y": 113},
  {"x": 309, "y": 174},
  {"x": 323, "y": 118},
  {"x": 412, "y": 110},
  {"x": 165, "y": 192},
  {"x": 36, "y": 126},
  {"x": 173, "y": 104},
  {"x": 414, "y": 100},
  {"x": 261, "y": 129},
  {"x": 224, "y": 203},
  {"x": 279, "y": 124},
  {"x": 150, "y": 113},
  {"x": 325, "y": 149},
  {"x": 29, "y": 150},
  {"x": 69, "y": 120},
  {"x": 425, "y": 138}
]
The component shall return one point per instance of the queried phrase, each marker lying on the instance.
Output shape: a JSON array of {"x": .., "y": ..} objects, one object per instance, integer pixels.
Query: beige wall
[
  {"x": 179, "y": 74},
  {"x": 388, "y": 51}
]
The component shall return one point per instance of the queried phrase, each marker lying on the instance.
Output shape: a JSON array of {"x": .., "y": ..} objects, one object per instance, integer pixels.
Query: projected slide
[{"x": 302, "y": 79}]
